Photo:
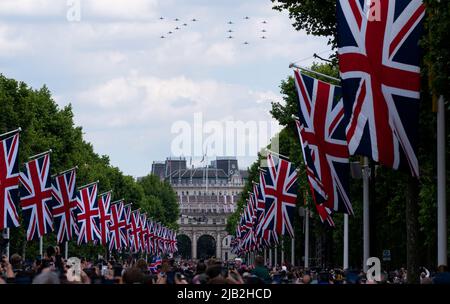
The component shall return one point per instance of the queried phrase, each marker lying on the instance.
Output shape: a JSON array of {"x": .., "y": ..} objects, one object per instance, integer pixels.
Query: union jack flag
[
  {"x": 36, "y": 197},
  {"x": 379, "y": 62},
  {"x": 127, "y": 212},
  {"x": 104, "y": 211},
  {"x": 145, "y": 234},
  {"x": 135, "y": 231},
  {"x": 88, "y": 215},
  {"x": 151, "y": 237},
  {"x": 65, "y": 196},
  {"x": 321, "y": 128},
  {"x": 258, "y": 190},
  {"x": 117, "y": 225},
  {"x": 156, "y": 261},
  {"x": 281, "y": 195},
  {"x": 9, "y": 182}
]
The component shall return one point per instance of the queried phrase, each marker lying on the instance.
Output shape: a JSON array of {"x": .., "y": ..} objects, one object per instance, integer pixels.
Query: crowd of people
[{"x": 54, "y": 269}]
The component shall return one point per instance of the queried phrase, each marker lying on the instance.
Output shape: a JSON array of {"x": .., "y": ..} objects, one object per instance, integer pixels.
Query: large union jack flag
[
  {"x": 117, "y": 225},
  {"x": 36, "y": 197},
  {"x": 88, "y": 215},
  {"x": 65, "y": 195},
  {"x": 379, "y": 63},
  {"x": 9, "y": 182},
  {"x": 104, "y": 211},
  {"x": 321, "y": 128},
  {"x": 281, "y": 195}
]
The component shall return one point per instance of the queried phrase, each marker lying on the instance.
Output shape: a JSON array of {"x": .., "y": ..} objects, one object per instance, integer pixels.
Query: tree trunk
[{"x": 412, "y": 231}]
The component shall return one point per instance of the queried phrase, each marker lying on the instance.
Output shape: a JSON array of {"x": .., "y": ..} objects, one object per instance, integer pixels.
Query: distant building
[{"x": 207, "y": 196}]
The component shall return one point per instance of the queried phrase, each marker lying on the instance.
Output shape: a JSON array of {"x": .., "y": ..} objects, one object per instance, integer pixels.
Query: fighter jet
[
  {"x": 263, "y": 37},
  {"x": 264, "y": 22},
  {"x": 230, "y": 22},
  {"x": 177, "y": 28},
  {"x": 184, "y": 24},
  {"x": 194, "y": 20},
  {"x": 162, "y": 37},
  {"x": 263, "y": 31},
  {"x": 230, "y": 37},
  {"x": 230, "y": 31},
  {"x": 169, "y": 33},
  {"x": 176, "y": 19},
  {"x": 245, "y": 42},
  {"x": 246, "y": 17},
  {"x": 161, "y": 18}
]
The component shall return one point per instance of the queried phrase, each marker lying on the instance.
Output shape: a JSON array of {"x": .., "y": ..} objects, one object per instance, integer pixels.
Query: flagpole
[
  {"x": 66, "y": 249},
  {"x": 277, "y": 154},
  {"x": 88, "y": 185},
  {"x": 11, "y": 132},
  {"x": 6, "y": 237},
  {"x": 366, "y": 223},
  {"x": 265, "y": 256},
  {"x": 306, "y": 238},
  {"x": 63, "y": 172},
  {"x": 41, "y": 247},
  {"x": 293, "y": 65},
  {"x": 345, "y": 241},
  {"x": 40, "y": 154},
  {"x": 270, "y": 256},
  {"x": 276, "y": 255},
  {"x": 441, "y": 185},
  {"x": 293, "y": 251}
]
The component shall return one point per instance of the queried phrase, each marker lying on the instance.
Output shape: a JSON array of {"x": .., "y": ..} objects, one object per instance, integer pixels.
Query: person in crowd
[{"x": 261, "y": 271}]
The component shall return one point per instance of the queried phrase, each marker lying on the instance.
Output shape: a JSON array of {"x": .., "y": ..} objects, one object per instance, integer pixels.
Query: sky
[{"x": 141, "y": 98}]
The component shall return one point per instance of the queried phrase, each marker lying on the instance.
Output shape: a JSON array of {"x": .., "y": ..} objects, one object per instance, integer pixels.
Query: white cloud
[
  {"x": 10, "y": 42},
  {"x": 32, "y": 8},
  {"x": 120, "y": 9}
]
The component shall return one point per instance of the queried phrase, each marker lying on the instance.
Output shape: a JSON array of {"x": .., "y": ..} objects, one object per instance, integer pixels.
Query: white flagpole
[
  {"x": 306, "y": 238},
  {"x": 345, "y": 241},
  {"x": 66, "y": 249},
  {"x": 270, "y": 257},
  {"x": 366, "y": 219},
  {"x": 41, "y": 247},
  {"x": 6, "y": 236},
  {"x": 441, "y": 187},
  {"x": 276, "y": 255}
]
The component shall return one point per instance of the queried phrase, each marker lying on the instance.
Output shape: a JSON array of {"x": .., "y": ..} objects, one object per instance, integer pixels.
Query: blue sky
[{"x": 128, "y": 86}]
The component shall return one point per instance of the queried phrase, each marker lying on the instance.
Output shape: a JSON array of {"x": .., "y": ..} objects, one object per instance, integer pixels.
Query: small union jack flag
[
  {"x": 145, "y": 233},
  {"x": 379, "y": 60},
  {"x": 65, "y": 195},
  {"x": 156, "y": 261},
  {"x": 281, "y": 195},
  {"x": 117, "y": 225},
  {"x": 321, "y": 128},
  {"x": 36, "y": 197},
  {"x": 127, "y": 211},
  {"x": 88, "y": 215},
  {"x": 104, "y": 210},
  {"x": 136, "y": 231},
  {"x": 9, "y": 182}
]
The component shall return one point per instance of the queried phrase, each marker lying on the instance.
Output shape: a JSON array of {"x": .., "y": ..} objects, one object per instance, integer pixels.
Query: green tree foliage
[{"x": 46, "y": 126}]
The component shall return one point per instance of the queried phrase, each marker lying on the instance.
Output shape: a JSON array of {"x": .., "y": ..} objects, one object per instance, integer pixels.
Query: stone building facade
[{"x": 207, "y": 196}]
